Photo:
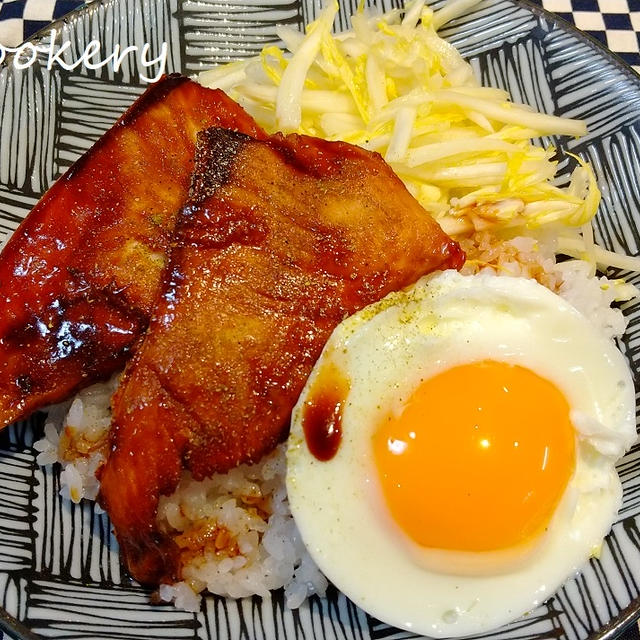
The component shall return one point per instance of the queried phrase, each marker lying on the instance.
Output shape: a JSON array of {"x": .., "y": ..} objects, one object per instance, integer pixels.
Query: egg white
[{"x": 385, "y": 351}]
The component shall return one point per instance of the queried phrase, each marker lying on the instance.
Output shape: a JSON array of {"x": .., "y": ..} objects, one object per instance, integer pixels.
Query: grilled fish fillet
[
  {"x": 280, "y": 241},
  {"x": 80, "y": 276}
]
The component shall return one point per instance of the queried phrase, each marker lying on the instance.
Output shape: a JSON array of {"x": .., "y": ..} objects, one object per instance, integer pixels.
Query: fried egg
[{"x": 452, "y": 457}]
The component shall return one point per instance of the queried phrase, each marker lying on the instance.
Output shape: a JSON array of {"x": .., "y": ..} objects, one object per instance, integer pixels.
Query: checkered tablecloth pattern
[
  {"x": 21, "y": 18},
  {"x": 615, "y": 23}
]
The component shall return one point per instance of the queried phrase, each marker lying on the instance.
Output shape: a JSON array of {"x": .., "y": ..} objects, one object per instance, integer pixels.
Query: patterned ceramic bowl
[{"x": 60, "y": 574}]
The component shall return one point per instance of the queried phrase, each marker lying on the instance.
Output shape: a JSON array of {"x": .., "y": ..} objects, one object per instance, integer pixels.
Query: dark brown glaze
[
  {"x": 80, "y": 276},
  {"x": 280, "y": 241},
  {"x": 322, "y": 412}
]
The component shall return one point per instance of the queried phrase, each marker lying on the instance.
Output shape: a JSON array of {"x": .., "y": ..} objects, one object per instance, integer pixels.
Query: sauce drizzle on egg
[{"x": 322, "y": 412}]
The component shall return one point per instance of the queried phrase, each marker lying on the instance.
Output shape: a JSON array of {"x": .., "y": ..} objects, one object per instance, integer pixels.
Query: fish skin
[
  {"x": 80, "y": 276},
  {"x": 280, "y": 240}
]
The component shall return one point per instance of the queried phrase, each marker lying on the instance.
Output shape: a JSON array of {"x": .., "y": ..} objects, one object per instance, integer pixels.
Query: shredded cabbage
[{"x": 393, "y": 85}]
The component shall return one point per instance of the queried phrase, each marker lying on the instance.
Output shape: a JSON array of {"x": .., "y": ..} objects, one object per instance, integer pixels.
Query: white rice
[
  {"x": 240, "y": 533},
  {"x": 573, "y": 280},
  {"x": 235, "y": 531},
  {"x": 75, "y": 434}
]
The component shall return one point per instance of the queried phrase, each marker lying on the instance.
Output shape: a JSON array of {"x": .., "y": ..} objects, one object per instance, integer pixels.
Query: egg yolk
[{"x": 478, "y": 459}]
